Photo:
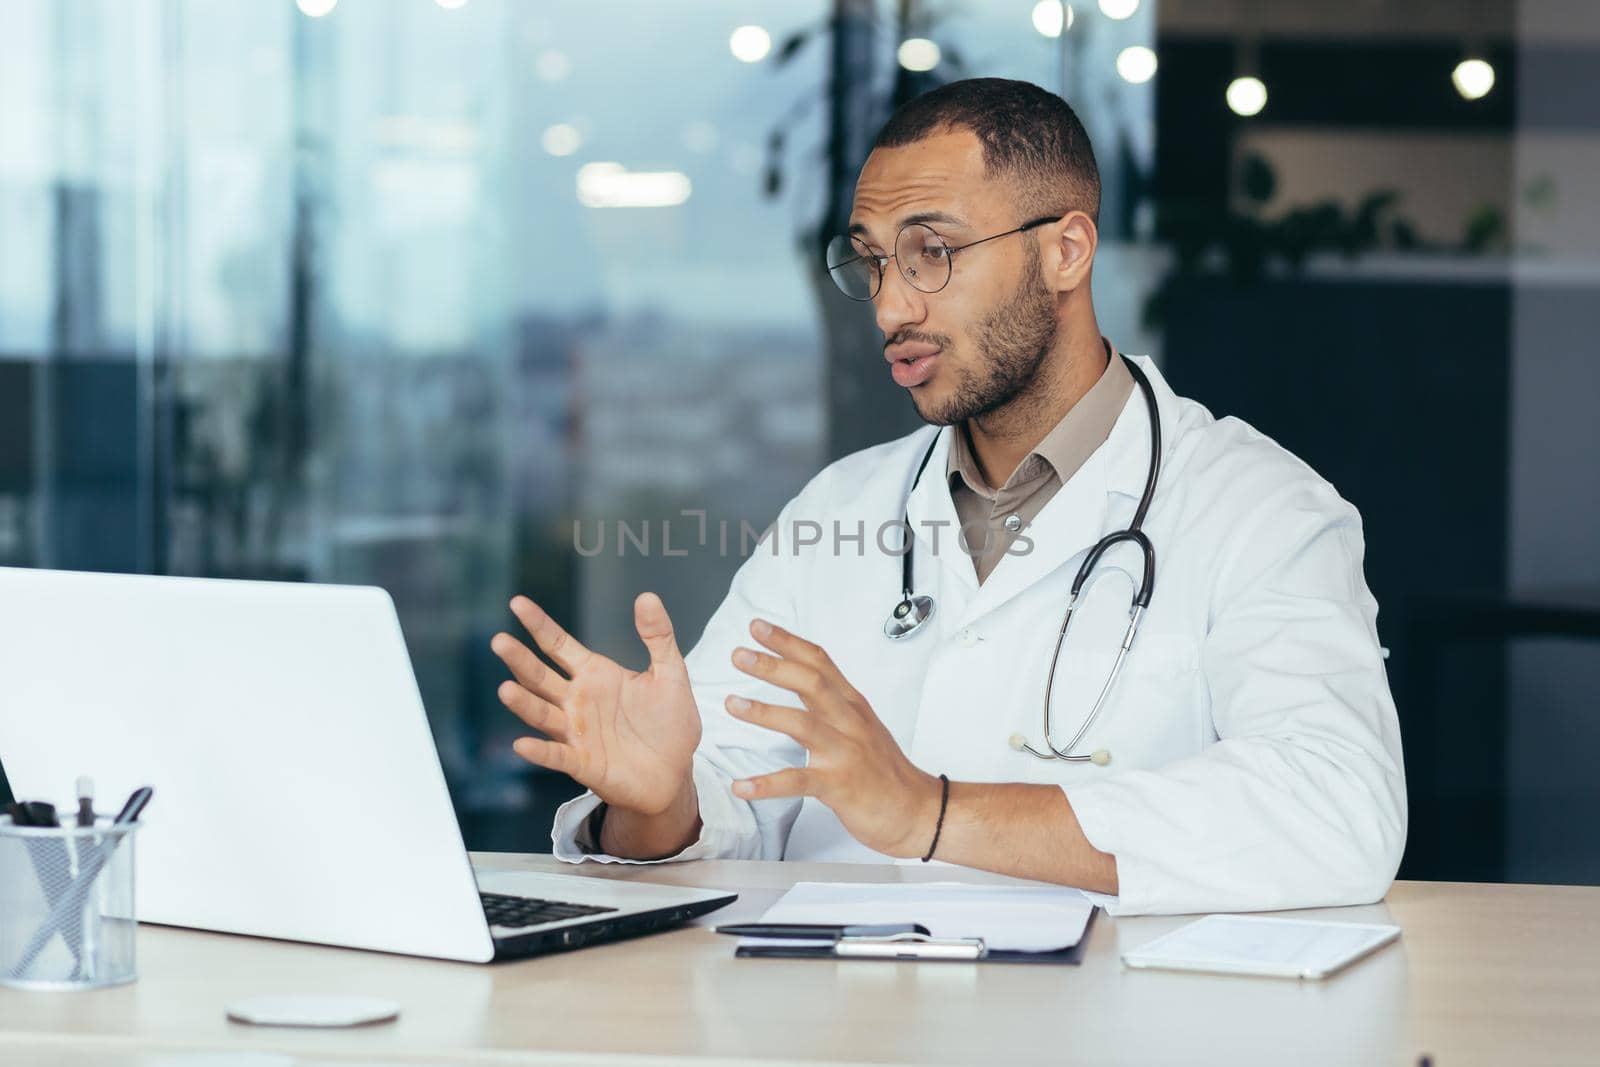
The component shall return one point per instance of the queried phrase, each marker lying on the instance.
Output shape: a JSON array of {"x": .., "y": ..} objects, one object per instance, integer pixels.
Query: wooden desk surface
[{"x": 1484, "y": 974}]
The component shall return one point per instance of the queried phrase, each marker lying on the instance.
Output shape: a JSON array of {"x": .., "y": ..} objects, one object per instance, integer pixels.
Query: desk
[{"x": 1484, "y": 974}]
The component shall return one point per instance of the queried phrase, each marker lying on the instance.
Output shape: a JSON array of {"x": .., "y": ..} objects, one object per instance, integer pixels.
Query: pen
[
  {"x": 19, "y": 814},
  {"x": 136, "y": 802},
  {"x": 820, "y": 931}
]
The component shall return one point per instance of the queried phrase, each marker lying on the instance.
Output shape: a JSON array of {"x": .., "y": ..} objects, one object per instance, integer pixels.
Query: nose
[{"x": 898, "y": 303}]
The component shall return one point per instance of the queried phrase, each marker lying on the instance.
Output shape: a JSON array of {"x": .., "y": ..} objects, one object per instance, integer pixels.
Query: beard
[{"x": 1012, "y": 342}]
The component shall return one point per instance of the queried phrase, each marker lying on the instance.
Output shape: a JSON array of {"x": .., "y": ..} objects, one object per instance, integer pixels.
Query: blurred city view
[
  {"x": 352, "y": 292},
  {"x": 404, "y": 292}
]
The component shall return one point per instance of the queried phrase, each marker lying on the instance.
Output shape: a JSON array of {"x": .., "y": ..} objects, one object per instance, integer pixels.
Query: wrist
[
  {"x": 656, "y": 805},
  {"x": 591, "y": 833},
  {"x": 656, "y": 833},
  {"x": 938, "y": 826},
  {"x": 923, "y": 801},
  {"x": 687, "y": 799}
]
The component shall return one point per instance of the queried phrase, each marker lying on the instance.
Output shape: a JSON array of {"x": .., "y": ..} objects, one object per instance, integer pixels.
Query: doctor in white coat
[{"x": 1247, "y": 756}]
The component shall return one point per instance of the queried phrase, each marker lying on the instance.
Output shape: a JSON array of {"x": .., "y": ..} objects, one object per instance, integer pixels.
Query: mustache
[{"x": 901, "y": 336}]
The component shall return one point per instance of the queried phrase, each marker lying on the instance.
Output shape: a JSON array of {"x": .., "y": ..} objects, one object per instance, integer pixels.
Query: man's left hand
[{"x": 855, "y": 767}]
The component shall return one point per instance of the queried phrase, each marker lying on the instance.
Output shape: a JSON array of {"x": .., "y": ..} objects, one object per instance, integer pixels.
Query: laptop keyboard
[{"x": 517, "y": 912}]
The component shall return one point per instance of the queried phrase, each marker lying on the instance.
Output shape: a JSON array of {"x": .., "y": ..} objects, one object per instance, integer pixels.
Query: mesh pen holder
[{"x": 66, "y": 906}]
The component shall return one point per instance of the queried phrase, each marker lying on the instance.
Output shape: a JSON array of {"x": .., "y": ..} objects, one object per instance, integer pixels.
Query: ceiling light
[
  {"x": 1048, "y": 17},
  {"x": 1136, "y": 64},
  {"x": 1473, "y": 78},
  {"x": 1247, "y": 95},
  {"x": 613, "y": 185},
  {"x": 552, "y": 66},
  {"x": 750, "y": 44},
  {"x": 562, "y": 139},
  {"x": 918, "y": 54}
]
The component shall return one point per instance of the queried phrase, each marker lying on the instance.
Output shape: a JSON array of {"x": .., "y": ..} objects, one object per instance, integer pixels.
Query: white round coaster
[
  {"x": 312, "y": 1010},
  {"x": 221, "y": 1059}
]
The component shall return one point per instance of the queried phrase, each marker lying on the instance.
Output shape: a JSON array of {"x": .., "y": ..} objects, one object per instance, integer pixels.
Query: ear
[{"x": 1068, "y": 254}]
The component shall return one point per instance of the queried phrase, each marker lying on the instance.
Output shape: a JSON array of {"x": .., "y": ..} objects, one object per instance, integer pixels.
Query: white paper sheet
[{"x": 1023, "y": 918}]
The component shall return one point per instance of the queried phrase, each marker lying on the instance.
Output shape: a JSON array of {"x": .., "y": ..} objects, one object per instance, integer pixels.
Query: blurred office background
[{"x": 435, "y": 294}]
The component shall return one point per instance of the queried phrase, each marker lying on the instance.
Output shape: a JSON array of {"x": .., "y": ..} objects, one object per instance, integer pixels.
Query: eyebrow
[{"x": 923, "y": 217}]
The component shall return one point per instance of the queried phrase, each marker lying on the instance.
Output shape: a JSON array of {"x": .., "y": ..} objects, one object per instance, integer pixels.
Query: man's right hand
[{"x": 627, "y": 735}]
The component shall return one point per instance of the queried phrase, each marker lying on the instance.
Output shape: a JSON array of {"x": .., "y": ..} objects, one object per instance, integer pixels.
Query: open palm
[{"x": 628, "y": 735}]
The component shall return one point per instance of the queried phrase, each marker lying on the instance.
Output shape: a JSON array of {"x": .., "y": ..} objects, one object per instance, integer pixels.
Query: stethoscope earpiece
[{"x": 1100, "y": 757}]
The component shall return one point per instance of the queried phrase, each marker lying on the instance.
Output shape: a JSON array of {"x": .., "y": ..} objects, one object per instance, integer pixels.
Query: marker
[
  {"x": 85, "y": 802},
  {"x": 41, "y": 813}
]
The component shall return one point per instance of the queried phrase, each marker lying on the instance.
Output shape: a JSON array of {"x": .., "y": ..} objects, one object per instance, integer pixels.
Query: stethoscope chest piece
[{"x": 908, "y": 616}]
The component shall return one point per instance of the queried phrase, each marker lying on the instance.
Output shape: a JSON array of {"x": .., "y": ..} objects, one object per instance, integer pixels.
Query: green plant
[{"x": 1243, "y": 244}]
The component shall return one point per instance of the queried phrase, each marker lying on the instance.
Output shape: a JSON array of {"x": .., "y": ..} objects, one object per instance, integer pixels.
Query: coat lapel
[
  {"x": 935, "y": 525},
  {"x": 1067, "y": 526},
  {"x": 1100, "y": 497}
]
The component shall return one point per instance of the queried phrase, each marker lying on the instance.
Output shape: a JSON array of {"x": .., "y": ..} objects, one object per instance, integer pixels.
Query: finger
[
  {"x": 798, "y": 724},
  {"x": 801, "y": 679},
  {"x": 650, "y": 618},
  {"x": 792, "y": 782},
  {"x": 534, "y": 674},
  {"x": 559, "y": 645},
  {"x": 551, "y": 754},
  {"x": 798, "y": 650},
  {"x": 534, "y": 710},
  {"x": 787, "y": 644}
]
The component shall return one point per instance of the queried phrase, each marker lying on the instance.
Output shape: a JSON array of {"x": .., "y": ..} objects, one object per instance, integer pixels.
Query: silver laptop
[{"x": 298, "y": 794}]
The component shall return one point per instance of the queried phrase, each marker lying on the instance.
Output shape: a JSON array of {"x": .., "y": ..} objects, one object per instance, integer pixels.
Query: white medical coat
[{"x": 1255, "y": 750}]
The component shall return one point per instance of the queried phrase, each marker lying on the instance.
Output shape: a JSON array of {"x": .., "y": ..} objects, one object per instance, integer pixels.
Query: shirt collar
[{"x": 1084, "y": 428}]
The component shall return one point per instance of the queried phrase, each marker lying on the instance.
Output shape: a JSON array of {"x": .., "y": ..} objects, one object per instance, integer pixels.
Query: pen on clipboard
[{"x": 820, "y": 931}]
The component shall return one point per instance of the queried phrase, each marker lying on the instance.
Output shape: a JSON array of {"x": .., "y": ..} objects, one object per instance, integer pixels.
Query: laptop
[{"x": 298, "y": 793}]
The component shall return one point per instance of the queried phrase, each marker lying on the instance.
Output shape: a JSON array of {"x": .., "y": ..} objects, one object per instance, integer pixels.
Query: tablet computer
[{"x": 1270, "y": 946}]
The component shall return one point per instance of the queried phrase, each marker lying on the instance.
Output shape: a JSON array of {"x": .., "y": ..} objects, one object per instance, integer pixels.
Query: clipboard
[{"x": 918, "y": 948}]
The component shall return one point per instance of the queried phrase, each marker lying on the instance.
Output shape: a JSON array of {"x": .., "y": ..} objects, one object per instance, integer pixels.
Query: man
[{"x": 1247, "y": 755}]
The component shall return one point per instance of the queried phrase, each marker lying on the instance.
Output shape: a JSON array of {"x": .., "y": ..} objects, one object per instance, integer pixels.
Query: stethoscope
[{"x": 914, "y": 610}]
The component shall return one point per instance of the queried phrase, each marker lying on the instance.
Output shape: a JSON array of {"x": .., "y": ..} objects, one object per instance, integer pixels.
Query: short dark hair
[{"x": 1028, "y": 134}]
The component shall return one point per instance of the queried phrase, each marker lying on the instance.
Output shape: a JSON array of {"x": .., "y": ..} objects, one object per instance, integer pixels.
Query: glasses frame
[{"x": 880, "y": 263}]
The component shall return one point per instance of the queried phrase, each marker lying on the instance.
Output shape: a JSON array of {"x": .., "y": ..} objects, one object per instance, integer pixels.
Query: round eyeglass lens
[
  {"x": 923, "y": 258},
  {"x": 853, "y": 269}
]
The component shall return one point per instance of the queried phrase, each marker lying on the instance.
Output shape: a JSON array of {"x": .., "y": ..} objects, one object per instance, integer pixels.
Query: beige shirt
[{"x": 991, "y": 518}]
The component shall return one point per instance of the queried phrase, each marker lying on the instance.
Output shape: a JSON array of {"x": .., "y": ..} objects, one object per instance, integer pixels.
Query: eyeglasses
[{"x": 919, "y": 252}]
